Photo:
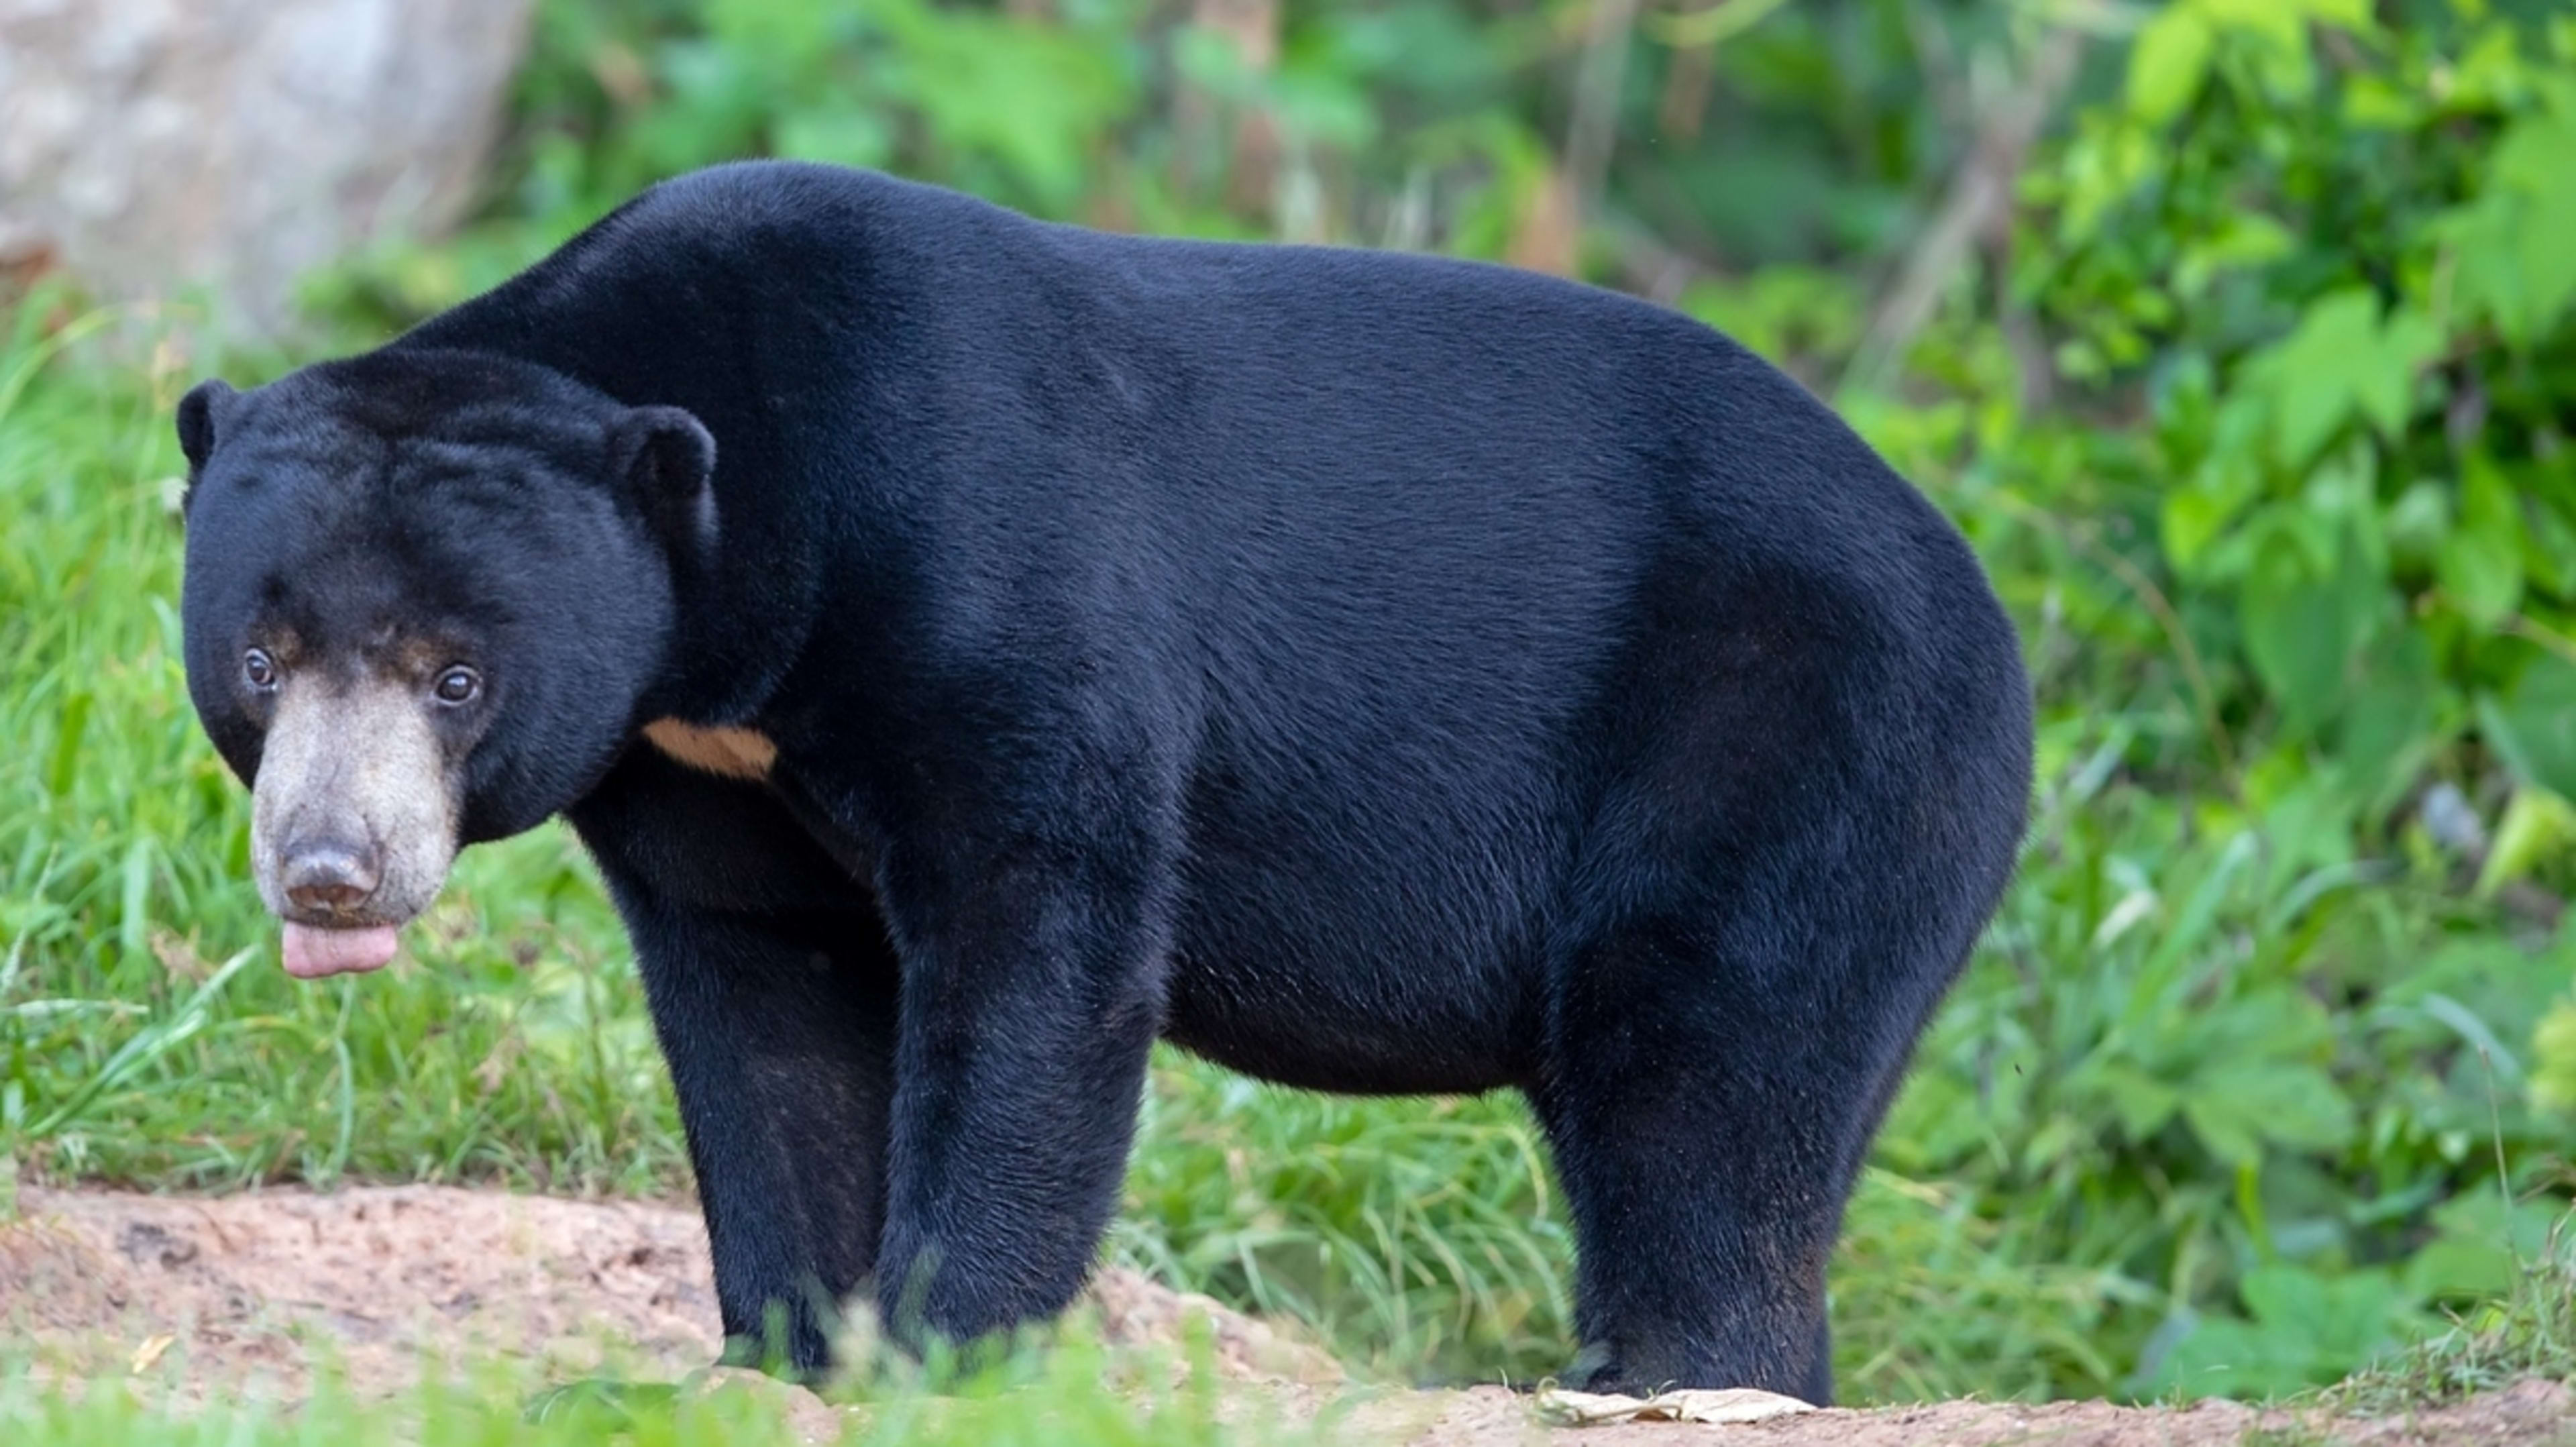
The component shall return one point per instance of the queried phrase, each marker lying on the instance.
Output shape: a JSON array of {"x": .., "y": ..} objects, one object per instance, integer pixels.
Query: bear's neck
[{"x": 657, "y": 325}]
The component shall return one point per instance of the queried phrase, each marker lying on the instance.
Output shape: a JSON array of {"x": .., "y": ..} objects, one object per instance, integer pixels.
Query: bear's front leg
[
  {"x": 775, "y": 1032},
  {"x": 1032, "y": 994},
  {"x": 773, "y": 990}
]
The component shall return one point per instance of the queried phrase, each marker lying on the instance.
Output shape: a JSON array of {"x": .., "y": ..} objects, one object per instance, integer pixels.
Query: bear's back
[{"x": 1389, "y": 538}]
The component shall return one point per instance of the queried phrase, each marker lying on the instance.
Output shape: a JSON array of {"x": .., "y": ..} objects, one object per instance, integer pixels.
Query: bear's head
[{"x": 425, "y": 592}]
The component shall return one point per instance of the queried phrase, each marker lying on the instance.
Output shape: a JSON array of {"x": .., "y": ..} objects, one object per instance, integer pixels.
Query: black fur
[{"x": 1375, "y": 673}]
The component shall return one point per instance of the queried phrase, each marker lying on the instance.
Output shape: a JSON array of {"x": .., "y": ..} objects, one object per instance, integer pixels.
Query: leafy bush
[
  {"x": 2333, "y": 252},
  {"x": 2301, "y": 548}
]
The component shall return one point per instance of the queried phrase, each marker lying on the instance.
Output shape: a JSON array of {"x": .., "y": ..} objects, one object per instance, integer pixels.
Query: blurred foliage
[
  {"x": 2239, "y": 335},
  {"x": 1810, "y": 136},
  {"x": 2334, "y": 257},
  {"x": 2298, "y": 530}
]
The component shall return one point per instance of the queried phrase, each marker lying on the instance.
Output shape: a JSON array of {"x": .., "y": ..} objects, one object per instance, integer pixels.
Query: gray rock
[{"x": 156, "y": 148}]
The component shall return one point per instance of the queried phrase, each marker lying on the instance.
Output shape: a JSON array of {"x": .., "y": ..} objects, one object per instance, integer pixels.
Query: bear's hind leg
[
  {"x": 1701, "y": 1176},
  {"x": 1712, "y": 1080}
]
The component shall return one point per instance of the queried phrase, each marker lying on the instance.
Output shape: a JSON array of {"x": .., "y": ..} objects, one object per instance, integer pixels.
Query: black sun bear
[{"x": 975, "y": 648}]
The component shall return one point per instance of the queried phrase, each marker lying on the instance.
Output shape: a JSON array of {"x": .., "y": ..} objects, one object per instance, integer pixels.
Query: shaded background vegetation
[{"x": 2239, "y": 334}]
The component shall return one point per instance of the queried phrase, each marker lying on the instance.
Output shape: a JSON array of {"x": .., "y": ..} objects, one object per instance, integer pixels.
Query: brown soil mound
[
  {"x": 260, "y": 1287},
  {"x": 206, "y": 1295}
]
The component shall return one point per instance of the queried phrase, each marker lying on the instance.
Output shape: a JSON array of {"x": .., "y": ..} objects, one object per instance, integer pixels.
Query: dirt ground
[{"x": 215, "y": 1296}]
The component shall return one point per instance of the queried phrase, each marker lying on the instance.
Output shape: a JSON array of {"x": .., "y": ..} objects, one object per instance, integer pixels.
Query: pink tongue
[{"x": 312, "y": 953}]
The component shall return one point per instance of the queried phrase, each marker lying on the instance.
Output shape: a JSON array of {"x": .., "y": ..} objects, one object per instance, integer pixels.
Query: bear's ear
[
  {"x": 200, "y": 413},
  {"x": 666, "y": 459}
]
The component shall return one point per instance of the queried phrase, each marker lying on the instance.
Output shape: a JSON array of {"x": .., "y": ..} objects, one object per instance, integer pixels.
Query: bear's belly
[
  {"x": 1357, "y": 1030},
  {"x": 1381, "y": 936}
]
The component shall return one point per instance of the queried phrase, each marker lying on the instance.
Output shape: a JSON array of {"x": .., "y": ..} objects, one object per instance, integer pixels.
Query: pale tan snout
[{"x": 354, "y": 810}]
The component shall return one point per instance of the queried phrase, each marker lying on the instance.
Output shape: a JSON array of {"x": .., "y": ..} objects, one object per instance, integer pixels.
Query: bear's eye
[
  {"x": 259, "y": 670},
  {"x": 458, "y": 685}
]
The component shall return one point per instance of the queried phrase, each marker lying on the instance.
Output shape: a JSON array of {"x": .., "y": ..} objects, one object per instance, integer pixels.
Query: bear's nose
[{"x": 330, "y": 874}]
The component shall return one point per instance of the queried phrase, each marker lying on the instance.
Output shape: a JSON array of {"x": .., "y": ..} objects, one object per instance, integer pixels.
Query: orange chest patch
[{"x": 733, "y": 753}]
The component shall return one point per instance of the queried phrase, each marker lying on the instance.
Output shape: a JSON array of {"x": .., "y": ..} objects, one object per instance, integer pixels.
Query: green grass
[
  {"x": 2203, "y": 1041},
  {"x": 2528, "y": 1332},
  {"x": 1076, "y": 1391}
]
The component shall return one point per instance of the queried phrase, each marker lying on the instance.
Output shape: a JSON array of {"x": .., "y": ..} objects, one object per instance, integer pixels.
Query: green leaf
[
  {"x": 2390, "y": 712},
  {"x": 2279, "y": 30},
  {"x": 2553, "y": 1055},
  {"x": 2477, "y": 1240},
  {"x": 2167, "y": 63},
  {"x": 2244, "y": 238},
  {"x": 2121, "y": 159},
  {"x": 2348, "y": 14},
  {"x": 2225, "y": 1128},
  {"x": 2375, "y": 102},
  {"x": 2196, "y": 514},
  {"x": 2278, "y": 23},
  {"x": 2302, "y": 623},
  {"x": 2288, "y": 1299},
  {"x": 2534, "y": 725},
  {"x": 2491, "y": 74},
  {"x": 2343, "y": 357},
  {"x": 2307, "y": 1329},
  {"x": 2512, "y": 262},
  {"x": 2237, "y": 1108},
  {"x": 2537, "y": 826},
  {"x": 2223, "y": 1358},
  {"x": 771, "y": 31},
  {"x": 2418, "y": 521},
  {"x": 2549, "y": 551},
  {"x": 2142, "y": 1102},
  {"x": 2311, "y": 376},
  {"x": 2480, "y": 563},
  {"x": 839, "y": 135},
  {"x": 2344, "y": 1318},
  {"x": 2452, "y": 1266},
  {"x": 2385, "y": 390}
]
